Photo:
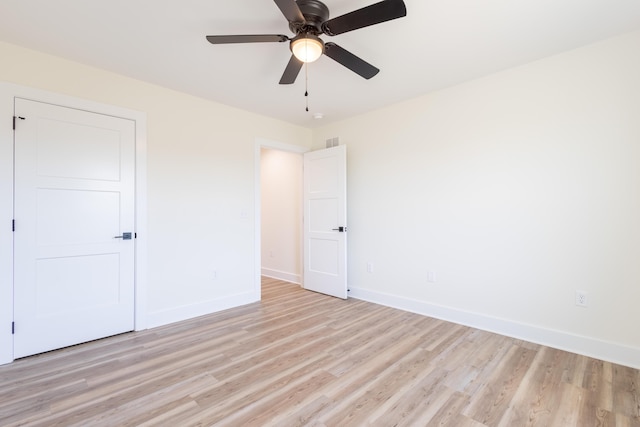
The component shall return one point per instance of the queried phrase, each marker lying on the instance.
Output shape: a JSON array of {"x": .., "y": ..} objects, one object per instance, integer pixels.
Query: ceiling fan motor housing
[
  {"x": 308, "y": 20},
  {"x": 315, "y": 14}
]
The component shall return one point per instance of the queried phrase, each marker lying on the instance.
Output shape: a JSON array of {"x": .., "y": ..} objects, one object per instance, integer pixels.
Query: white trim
[
  {"x": 265, "y": 143},
  {"x": 603, "y": 350},
  {"x": 282, "y": 146},
  {"x": 6, "y": 215},
  {"x": 282, "y": 275},
  {"x": 190, "y": 311},
  {"x": 141, "y": 263},
  {"x": 8, "y": 92}
]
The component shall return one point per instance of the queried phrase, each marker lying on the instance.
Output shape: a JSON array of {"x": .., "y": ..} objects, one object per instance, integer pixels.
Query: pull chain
[{"x": 306, "y": 85}]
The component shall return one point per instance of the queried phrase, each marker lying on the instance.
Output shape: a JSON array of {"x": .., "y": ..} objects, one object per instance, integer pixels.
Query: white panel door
[
  {"x": 325, "y": 221},
  {"x": 74, "y": 199}
]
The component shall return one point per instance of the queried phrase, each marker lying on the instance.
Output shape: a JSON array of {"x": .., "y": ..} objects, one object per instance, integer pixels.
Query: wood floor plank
[
  {"x": 262, "y": 412},
  {"x": 626, "y": 391},
  {"x": 570, "y": 407},
  {"x": 401, "y": 374},
  {"x": 417, "y": 404},
  {"x": 450, "y": 412},
  {"x": 537, "y": 395},
  {"x": 299, "y": 358},
  {"x": 491, "y": 402}
]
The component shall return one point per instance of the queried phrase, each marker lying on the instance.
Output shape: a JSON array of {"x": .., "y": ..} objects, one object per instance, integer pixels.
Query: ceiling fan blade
[
  {"x": 291, "y": 72},
  {"x": 290, "y": 10},
  {"x": 383, "y": 11},
  {"x": 248, "y": 38},
  {"x": 350, "y": 61}
]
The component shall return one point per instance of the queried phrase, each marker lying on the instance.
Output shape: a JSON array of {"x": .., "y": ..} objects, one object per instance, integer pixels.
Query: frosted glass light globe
[{"x": 307, "y": 48}]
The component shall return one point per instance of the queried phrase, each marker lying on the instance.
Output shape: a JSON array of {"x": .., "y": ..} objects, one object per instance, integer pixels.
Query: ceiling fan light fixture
[{"x": 307, "y": 47}]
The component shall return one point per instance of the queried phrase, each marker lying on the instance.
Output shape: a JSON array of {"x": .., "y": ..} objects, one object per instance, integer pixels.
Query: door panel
[
  {"x": 76, "y": 283},
  {"x": 74, "y": 193},
  {"x": 323, "y": 214},
  {"x": 73, "y": 217},
  {"x": 325, "y": 192},
  {"x": 93, "y": 153},
  {"x": 319, "y": 262}
]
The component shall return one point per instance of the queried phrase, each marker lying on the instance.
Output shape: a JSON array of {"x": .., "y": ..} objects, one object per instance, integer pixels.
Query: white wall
[
  {"x": 281, "y": 214},
  {"x": 201, "y": 182},
  {"x": 516, "y": 190}
]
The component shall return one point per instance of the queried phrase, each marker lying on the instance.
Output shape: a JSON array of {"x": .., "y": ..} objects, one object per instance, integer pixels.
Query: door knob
[
  {"x": 125, "y": 236},
  {"x": 340, "y": 229}
]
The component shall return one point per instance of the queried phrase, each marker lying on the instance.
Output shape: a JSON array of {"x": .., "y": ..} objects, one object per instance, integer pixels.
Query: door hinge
[
  {"x": 14, "y": 121},
  {"x": 13, "y": 225},
  {"x": 13, "y": 328}
]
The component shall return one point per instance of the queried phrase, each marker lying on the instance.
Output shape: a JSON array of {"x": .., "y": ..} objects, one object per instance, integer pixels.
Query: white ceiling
[{"x": 440, "y": 43}]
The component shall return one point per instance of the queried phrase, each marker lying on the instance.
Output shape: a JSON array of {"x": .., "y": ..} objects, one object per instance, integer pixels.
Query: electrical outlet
[
  {"x": 581, "y": 299},
  {"x": 369, "y": 267}
]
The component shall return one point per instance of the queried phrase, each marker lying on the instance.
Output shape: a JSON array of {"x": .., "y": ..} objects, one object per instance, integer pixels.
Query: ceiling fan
[{"x": 308, "y": 19}]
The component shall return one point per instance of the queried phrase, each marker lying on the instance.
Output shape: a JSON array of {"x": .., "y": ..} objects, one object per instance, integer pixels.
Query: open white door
[
  {"x": 325, "y": 221},
  {"x": 74, "y": 229}
]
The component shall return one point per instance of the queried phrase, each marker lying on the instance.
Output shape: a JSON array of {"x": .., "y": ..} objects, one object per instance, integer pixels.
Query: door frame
[
  {"x": 258, "y": 145},
  {"x": 8, "y": 92}
]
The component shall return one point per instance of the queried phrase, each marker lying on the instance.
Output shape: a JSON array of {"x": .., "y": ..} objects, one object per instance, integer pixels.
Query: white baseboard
[
  {"x": 603, "y": 350},
  {"x": 185, "y": 312},
  {"x": 282, "y": 275}
]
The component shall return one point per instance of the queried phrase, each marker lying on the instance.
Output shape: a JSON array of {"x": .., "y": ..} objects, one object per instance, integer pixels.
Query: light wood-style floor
[{"x": 301, "y": 358}]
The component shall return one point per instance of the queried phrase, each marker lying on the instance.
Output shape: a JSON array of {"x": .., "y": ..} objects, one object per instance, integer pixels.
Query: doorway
[
  {"x": 279, "y": 211},
  {"x": 9, "y": 94},
  {"x": 281, "y": 215},
  {"x": 322, "y": 220},
  {"x": 74, "y": 204}
]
